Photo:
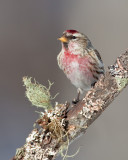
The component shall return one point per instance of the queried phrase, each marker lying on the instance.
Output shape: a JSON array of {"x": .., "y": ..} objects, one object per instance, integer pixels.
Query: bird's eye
[{"x": 73, "y": 37}]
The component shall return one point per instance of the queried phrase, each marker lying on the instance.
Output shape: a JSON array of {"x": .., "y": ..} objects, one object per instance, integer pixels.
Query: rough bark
[{"x": 59, "y": 127}]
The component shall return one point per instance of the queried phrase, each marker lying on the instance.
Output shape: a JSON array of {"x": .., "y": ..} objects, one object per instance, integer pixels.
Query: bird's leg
[
  {"x": 93, "y": 84},
  {"x": 75, "y": 101}
]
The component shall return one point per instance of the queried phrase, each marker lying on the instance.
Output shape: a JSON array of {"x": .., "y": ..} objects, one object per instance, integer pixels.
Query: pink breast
[{"x": 68, "y": 59}]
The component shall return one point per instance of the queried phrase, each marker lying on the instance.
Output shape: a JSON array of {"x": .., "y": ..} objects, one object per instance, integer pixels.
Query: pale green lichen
[
  {"x": 38, "y": 94},
  {"x": 121, "y": 82},
  {"x": 65, "y": 147}
]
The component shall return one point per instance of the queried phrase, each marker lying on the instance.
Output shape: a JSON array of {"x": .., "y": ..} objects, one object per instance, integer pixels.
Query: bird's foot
[{"x": 75, "y": 101}]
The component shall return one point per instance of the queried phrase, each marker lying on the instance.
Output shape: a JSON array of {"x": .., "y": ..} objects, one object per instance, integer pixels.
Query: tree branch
[{"x": 59, "y": 127}]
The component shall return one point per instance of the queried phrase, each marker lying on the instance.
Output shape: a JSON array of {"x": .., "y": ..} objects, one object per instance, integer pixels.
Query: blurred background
[{"x": 28, "y": 46}]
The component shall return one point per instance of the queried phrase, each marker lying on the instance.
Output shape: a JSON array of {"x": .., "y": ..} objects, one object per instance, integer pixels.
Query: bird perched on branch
[{"x": 79, "y": 60}]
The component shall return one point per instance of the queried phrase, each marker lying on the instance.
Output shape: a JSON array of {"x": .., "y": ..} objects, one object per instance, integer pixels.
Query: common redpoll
[{"x": 79, "y": 60}]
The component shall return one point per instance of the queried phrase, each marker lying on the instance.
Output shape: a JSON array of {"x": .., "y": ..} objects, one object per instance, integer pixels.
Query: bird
[{"x": 79, "y": 60}]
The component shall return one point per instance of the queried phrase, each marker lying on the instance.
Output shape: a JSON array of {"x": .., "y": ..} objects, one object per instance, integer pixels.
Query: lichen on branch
[{"x": 38, "y": 94}]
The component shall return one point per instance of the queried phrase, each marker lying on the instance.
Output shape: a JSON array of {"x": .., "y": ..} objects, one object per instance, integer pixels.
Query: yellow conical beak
[{"x": 63, "y": 39}]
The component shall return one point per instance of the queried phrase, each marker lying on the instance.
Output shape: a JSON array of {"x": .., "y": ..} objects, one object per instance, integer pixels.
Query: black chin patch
[{"x": 65, "y": 45}]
